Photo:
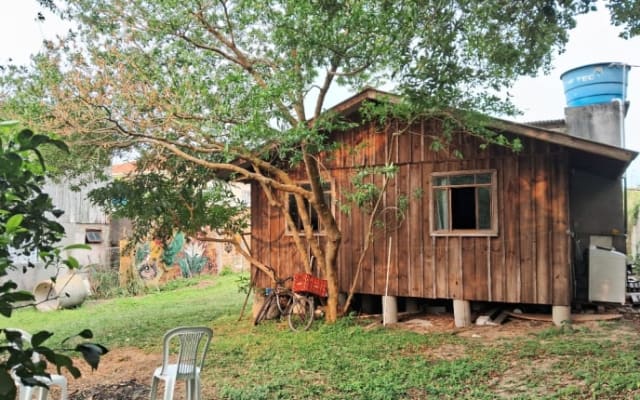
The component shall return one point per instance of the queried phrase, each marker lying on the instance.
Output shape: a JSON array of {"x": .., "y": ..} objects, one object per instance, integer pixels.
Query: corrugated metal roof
[{"x": 557, "y": 125}]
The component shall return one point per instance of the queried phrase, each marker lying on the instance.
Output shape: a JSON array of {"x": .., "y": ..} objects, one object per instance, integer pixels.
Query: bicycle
[
  {"x": 308, "y": 288},
  {"x": 301, "y": 313},
  {"x": 282, "y": 301}
]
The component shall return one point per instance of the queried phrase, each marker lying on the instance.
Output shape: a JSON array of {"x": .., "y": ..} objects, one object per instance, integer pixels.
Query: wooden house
[{"x": 493, "y": 226}]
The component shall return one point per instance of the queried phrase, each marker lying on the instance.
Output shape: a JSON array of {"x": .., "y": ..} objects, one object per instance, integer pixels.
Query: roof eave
[{"x": 563, "y": 139}]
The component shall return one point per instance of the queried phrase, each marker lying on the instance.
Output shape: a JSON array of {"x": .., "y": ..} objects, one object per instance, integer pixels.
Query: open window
[
  {"x": 464, "y": 203},
  {"x": 313, "y": 215}
]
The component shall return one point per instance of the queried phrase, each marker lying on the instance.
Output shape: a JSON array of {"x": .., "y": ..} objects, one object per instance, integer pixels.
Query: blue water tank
[{"x": 595, "y": 83}]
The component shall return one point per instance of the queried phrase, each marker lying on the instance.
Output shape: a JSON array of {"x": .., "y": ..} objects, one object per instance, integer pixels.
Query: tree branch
[
  {"x": 228, "y": 21},
  {"x": 241, "y": 59},
  {"x": 328, "y": 79}
]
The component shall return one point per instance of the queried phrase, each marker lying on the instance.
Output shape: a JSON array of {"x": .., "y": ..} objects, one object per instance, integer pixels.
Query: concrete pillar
[
  {"x": 412, "y": 306},
  {"x": 389, "y": 310},
  {"x": 561, "y": 315},
  {"x": 462, "y": 313}
]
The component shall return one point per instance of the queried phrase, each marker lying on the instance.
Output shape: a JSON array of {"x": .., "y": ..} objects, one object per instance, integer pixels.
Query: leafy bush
[
  {"x": 226, "y": 270},
  {"x": 244, "y": 283},
  {"x": 105, "y": 283},
  {"x": 26, "y": 229}
]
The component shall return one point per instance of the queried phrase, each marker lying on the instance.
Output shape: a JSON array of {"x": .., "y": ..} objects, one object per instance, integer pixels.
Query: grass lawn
[{"x": 353, "y": 360}]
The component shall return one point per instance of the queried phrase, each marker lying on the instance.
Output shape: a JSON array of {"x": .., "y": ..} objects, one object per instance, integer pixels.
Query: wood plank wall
[{"x": 527, "y": 262}]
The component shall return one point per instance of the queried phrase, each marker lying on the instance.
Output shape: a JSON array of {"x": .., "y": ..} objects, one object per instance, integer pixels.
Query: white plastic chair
[
  {"x": 26, "y": 392},
  {"x": 193, "y": 343}
]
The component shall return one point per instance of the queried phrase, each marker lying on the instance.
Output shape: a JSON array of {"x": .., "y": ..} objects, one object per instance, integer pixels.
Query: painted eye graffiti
[{"x": 147, "y": 271}]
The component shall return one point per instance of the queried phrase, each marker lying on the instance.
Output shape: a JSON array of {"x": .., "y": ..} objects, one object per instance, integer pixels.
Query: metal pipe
[
  {"x": 623, "y": 139},
  {"x": 621, "y": 107}
]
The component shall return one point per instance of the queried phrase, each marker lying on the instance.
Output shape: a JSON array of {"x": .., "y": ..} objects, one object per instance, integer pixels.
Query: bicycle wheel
[
  {"x": 300, "y": 315},
  {"x": 284, "y": 300},
  {"x": 264, "y": 310}
]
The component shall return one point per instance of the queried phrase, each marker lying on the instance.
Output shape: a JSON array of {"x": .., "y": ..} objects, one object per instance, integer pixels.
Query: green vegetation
[
  {"x": 26, "y": 228},
  {"x": 633, "y": 214},
  {"x": 356, "y": 358}
]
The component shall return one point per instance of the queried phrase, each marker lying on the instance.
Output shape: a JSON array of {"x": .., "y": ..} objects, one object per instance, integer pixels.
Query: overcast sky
[
  {"x": 541, "y": 98},
  {"x": 594, "y": 40}
]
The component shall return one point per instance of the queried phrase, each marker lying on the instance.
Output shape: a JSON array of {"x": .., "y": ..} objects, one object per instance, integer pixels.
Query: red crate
[{"x": 308, "y": 283}]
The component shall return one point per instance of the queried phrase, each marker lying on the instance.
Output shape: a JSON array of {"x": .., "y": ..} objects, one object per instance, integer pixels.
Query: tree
[
  {"x": 26, "y": 228},
  {"x": 238, "y": 88},
  {"x": 625, "y": 14}
]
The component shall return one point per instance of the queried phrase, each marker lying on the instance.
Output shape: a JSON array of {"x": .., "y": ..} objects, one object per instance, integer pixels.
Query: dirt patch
[
  {"x": 444, "y": 323},
  {"x": 125, "y": 373},
  {"x": 127, "y": 390},
  {"x": 446, "y": 352},
  {"x": 515, "y": 381}
]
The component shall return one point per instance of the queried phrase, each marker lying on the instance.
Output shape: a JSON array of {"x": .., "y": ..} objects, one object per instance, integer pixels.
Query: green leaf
[
  {"x": 24, "y": 138},
  {"x": 86, "y": 334},
  {"x": 37, "y": 140},
  {"x": 7, "y": 385},
  {"x": 71, "y": 262},
  {"x": 60, "y": 145},
  {"x": 14, "y": 336},
  {"x": 48, "y": 353},
  {"x": 8, "y": 285},
  {"x": 75, "y": 372},
  {"x": 62, "y": 361},
  {"x": 13, "y": 223},
  {"x": 21, "y": 295},
  {"x": 40, "y": 337},
  {"x": 77, "y": 246},
  {"x": 5, "y": 308},
  {"x": 40, "y": 158},
  {"x": 91, "y": 352},
  {"x": 12, "y": 163}
]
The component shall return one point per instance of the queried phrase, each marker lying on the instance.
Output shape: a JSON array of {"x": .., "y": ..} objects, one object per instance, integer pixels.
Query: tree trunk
[
  {"x": 329, "y": 259},
  {"x": 331, "y": 272}
]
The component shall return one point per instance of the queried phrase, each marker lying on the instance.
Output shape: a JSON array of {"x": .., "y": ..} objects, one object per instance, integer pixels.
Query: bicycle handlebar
[{"x": 281, "y": 282}]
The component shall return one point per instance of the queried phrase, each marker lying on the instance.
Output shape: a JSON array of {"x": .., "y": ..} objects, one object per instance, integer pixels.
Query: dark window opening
[
  {"x": 92, "y": 236},
  {"x": 463, "y": 203},
  {"x": 313, "y": 215},
  {"x": 463, "y": 210}
]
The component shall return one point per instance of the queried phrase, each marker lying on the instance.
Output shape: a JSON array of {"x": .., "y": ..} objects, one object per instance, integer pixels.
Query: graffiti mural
[
  {"x": 183, "y": 257},
  {"x": 194, "y": 259},
  {"x": 146, "y": 265}
]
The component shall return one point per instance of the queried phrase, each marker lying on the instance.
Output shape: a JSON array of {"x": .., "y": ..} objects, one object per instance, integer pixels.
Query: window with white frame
[{"x": 464, "y": 203}]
